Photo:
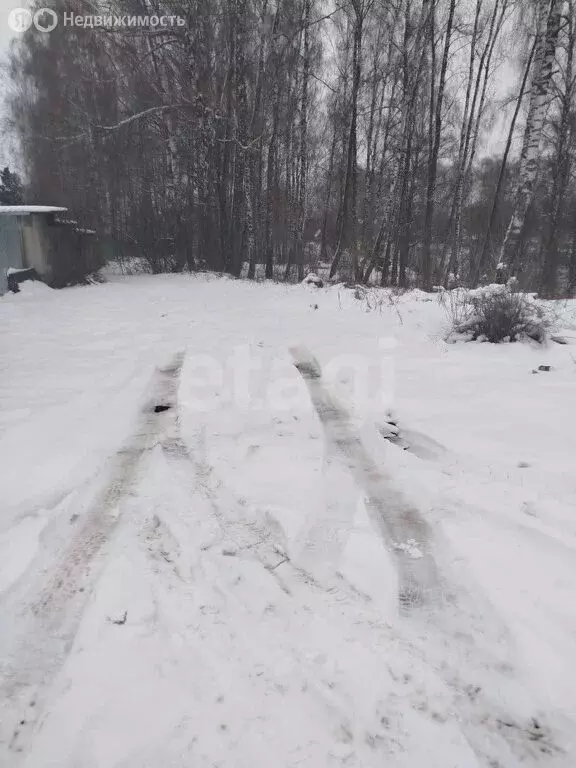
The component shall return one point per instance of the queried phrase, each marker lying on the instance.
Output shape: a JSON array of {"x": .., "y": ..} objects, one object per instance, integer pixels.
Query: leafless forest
[{"x": 272, "y": 137}]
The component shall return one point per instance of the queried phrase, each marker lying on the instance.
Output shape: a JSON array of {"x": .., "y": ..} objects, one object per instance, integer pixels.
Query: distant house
[{"x": 35, "y": 237}]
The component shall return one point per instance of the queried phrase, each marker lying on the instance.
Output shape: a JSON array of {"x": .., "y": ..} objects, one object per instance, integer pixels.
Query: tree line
[{"x": 273, "y": 137}]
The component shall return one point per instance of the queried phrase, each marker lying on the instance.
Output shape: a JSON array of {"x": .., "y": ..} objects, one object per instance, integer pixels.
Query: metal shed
[
  {"x": 33, "y": 237},
  {"x": 22, "y": 244}
]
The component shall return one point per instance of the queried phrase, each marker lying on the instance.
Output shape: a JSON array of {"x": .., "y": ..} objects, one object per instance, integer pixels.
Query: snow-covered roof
[{"x": 24, "y": 210}]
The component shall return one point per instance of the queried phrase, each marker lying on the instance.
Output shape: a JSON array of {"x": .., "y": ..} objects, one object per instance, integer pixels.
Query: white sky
[
  {"x": 6, "y": 35},
  {"x": 5, "y": 32}
]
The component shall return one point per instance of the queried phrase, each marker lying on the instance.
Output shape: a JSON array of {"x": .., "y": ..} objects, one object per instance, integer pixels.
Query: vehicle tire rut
[{"x": 46, "y": 616}]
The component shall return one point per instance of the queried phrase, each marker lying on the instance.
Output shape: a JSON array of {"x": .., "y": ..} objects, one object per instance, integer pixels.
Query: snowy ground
[{"x": 210, "y": 586}]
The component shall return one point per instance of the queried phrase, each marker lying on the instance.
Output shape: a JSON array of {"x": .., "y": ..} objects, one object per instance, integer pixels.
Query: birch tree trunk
[
  {"x": 347, "y": 233},
  {"x": 468, "y": 146},
  {"x": 252, "y": 200},
  {"x": 303, "y": 160},
  {"x": 434, "y": 151},
  {"x": 482, "y": 261},
  {"x": 323, "y": 243},
  {"x": 560, "y": 170},
  {"x": 549, "y": 14}
]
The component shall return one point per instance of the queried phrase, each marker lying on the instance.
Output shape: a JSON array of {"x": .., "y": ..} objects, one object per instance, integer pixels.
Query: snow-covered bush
[
  {"x": 134, "y": 265},
  {"x": 496, "y": 313},
  {"x": 313, "y": 279}
]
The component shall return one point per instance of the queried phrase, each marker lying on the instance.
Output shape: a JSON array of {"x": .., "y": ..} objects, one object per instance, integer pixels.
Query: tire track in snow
[
  {"x": 45, "y": 623},
  {"x": 400, "y": 525},
  {"x": 506, "y": 730},
  {"x": 74, "y": 568}
]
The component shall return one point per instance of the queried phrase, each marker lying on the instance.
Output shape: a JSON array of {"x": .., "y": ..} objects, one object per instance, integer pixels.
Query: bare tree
[
  {"x": 549, "y": 14},
  {"x": 562, "y": 162},
  {"x": 436, "y": 101}
]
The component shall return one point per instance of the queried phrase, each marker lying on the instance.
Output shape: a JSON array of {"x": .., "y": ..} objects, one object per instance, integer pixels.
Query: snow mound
[{"x": 30, "y": 289}]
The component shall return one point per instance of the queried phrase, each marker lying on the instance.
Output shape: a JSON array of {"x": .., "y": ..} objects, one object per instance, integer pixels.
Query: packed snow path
[
  {"x": 456, "y": 612},
  {"x": 170, "y": 598},
  {"x": 45, "y": 618},
  {"x": 402, "y": 529}
]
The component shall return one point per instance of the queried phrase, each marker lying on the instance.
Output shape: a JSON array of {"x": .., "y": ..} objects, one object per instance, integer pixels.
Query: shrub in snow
[
  {"x": 378, "y": 299},
  {"x": 313, "y": 279},
  {"x": 496, "y": 313}
]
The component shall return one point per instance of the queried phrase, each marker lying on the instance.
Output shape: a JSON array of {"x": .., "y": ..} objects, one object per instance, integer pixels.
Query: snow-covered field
[{"x": 212, "y": 584}]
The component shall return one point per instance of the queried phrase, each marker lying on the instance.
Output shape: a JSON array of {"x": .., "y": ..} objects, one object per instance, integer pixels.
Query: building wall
[
  {"x": 72, "y": 255},
  {"x": 10, "y": 248},
  {"x": 59, "y": 253},
  {"x": 35, "y": 246}
]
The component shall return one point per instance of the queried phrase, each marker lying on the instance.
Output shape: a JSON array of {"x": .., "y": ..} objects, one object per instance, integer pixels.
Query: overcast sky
[
  {"x": 6, "y": 35},
  {"x": 5, "y": 32}
]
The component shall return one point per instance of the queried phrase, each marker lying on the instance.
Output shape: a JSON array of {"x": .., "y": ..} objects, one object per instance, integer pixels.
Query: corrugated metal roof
[{"x": 24, "y": 210}]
